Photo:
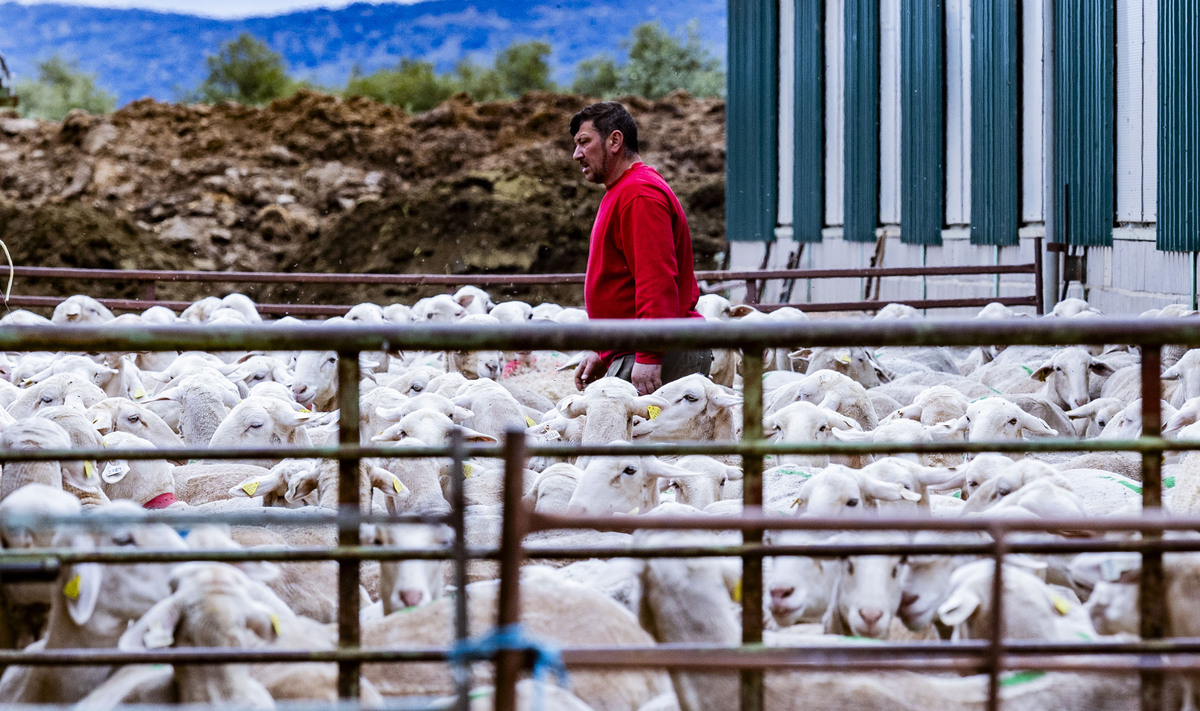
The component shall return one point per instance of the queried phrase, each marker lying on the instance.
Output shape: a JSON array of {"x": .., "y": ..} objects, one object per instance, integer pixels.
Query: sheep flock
[{"x": 262, "y": 400}]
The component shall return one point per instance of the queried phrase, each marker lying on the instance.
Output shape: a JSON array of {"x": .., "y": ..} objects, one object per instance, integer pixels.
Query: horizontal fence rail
[
  {"x": 1151, "y": 657},
  {"x": 716, "y": 280}
]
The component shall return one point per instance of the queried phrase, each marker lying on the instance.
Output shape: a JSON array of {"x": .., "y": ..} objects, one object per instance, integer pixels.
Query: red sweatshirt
[{"x": 640, "y": 261}]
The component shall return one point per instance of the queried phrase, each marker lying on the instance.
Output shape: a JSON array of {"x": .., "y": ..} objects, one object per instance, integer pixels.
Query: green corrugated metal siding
[
  {"x": 808, "y": 190},
  {"x": 1084, "y": 145},
  {"x": 995, "y": 123},
  {"x": 862, "y": 120},
  {"x": 751, "y": 122},
  {"x": 922, "y": 121},
  {"x": 1178, "y": 125}
]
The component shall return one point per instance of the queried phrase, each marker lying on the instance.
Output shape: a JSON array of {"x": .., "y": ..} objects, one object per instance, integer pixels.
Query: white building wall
[{"x": 1125, "y": 279}]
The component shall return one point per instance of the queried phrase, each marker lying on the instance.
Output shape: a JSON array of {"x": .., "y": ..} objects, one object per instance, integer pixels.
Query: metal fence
[
  {"x": 752, "y": 281},
  {"x": 1151, "y": 658}
]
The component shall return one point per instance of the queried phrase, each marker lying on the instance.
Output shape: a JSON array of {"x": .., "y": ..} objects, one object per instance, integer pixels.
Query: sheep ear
[
  {"x": 572, "y": 406},
  {"x": 800, "y": 358},
  {"x": 391, "y": 414},
  {"x": 958, "y": 608},
  {"x": 301, "y": 485},
  {"x": 770, "y": 425},
  {"x": 659, "y": 468},
  {"x": 263, "y": 623},
  {"x": 1101, "y": 368},
  {"x": 470, "y": 435},
  {"x": 1042, "y": 373},
  {"x": 461, "y": 415},
  {"x": 642, "y": 404},
  {"x": 886, "y": 490},
  {"x": 941, "y": 477},
  {"x": 1171, "y": 373},
  {"x": 722, "y": 400},
  {"x": 259, "y": 486},
  {"x": 155, "y": 629},
  {"x": 849, "y": 435},
  {"x": 81, "y": 587},
  {"x": 740, "y": 310},
  {"x": 881, "y": 372}
]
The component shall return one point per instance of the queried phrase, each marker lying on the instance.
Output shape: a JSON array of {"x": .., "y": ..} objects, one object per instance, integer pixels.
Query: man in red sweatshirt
[{"x": 640, "y": 259}]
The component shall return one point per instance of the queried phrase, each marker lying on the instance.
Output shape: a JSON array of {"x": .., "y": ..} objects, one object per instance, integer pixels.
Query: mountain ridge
[{"x": 138, "y": 54}]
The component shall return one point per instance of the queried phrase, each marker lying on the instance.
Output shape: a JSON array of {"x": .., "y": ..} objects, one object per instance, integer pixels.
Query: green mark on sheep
[
  {"x": 1027, "y": 369},
  {"x": 1021, "y": 677},
  {"x": 1169, "y": 482},
  {"x": 957, "y": 494}
]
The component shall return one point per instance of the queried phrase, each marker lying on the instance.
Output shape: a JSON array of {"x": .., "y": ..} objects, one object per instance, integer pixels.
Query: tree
[
  {"x": 481, "y": 83},
  {"x": 522, "y": 67},
  {"x": 412, "y": 85},
  {"x": 60, "y": 87},
  {"x": 245, "y": 70},
  {"x": 598, "y": 76},
  {"x": 659, "y": 64}
]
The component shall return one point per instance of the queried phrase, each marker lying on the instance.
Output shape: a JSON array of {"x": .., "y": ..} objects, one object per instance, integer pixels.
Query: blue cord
[{"x": 512, "y": 638}]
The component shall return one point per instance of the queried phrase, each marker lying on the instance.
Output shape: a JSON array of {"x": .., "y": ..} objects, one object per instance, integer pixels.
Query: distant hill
[{"x": 139, "y": 53}]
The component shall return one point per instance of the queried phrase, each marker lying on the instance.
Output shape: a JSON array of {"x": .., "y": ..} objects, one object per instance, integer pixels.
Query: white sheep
[
  {"x": 80, "y": 309},
  {"x": 806, "y": 422},
  {"x": 96, "y": 604},
  {"x": 261, "y": 422},
  {"x": 627, "y": 484}
]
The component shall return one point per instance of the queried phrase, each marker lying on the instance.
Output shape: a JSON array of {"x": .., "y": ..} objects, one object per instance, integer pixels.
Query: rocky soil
[{"x": 317, "y": 184}]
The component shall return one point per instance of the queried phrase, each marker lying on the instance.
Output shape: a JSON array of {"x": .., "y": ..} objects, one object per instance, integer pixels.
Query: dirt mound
[{"x": 315, "y": 183}]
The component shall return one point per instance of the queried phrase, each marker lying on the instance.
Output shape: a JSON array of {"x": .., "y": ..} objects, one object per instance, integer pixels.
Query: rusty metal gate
[{"x": 1152, "y": 657}]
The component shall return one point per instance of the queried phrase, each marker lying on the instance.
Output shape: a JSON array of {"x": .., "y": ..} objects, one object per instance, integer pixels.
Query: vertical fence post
[
  {"x": 512, "y": 533},
  {"x": 752, "y": 496},
  {"x": 458, "y": 509},
  {"x": 995, "y": 645},
  {"x": 1152, "y": 603},
  {"x": 348, "y": 498}
]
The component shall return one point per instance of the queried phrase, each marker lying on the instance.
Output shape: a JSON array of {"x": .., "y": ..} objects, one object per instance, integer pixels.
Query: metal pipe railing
[
  {"x": 749, "y": 278},
  {"x": 997, "y": 655}
]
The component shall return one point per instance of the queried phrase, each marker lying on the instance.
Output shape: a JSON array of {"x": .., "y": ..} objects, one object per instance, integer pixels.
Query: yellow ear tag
[
  {"x": 1061, "y": 605},
  {"x": 71, "y": 589},
  {"x": 26, "y": 382},
  {"x": 305, "y": 409},
  {"x": 634, "y": 511},
  {"x": 397, "y": 484},
  {"x": 796, "y": 503},
  {"x": 89, "y": 470},
  {"x": 467, "y": 471},
  {"x": 653, "y": 411},
  {"x": 529, "y": 421},
  {"x": 275, "y": 624},
  {"x": 844, "y": 358},
  {"x": 139, "y": 394},
  {"x": 737, "y": 591},
  {"x": 250, "y": 487}
]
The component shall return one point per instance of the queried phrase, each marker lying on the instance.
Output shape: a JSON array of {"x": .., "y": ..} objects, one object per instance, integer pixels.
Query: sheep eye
[
  {"x": 690, "y": 397},
  {"x": 630, "y": 470},
  {"x": 823, "y": 428},
  {"x": 255, "y": 425},
  {"x": 417, "y": 388},
  {"x": 133, "y": 419},
  {"x": 850, "y": 567},
  {"x": 257, "y": 376},
  {"x": 47, "y": 398},
  {"x": 852, "y": 503},
  {"x": 429, "y": 316},
  {"x": 1004, "y": 492},
  {"x": 123, "y": 539},
  {"x": 332, "y": 359},
  {"x": 895, "y": 570},
  {"x": 972, "y": 484},
  {"x": 403, "y": 434},
  {"x": 1013, "y": 421}
]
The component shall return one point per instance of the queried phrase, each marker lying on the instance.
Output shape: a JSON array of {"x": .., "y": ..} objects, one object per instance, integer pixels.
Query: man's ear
[{"x": 616, "y": 139}]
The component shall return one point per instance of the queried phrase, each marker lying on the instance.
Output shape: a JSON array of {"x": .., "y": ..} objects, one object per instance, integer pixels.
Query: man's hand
[
  {"x": 589, "y": 371},
  {"x": 647, "y": 377}
]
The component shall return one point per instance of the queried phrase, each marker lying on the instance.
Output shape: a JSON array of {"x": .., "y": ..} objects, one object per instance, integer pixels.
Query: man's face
[{"x": 591, "y": 153}]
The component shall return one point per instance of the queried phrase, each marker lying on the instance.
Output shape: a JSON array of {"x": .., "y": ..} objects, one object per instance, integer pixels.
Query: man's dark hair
[{"x": 606, "y": 117}]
